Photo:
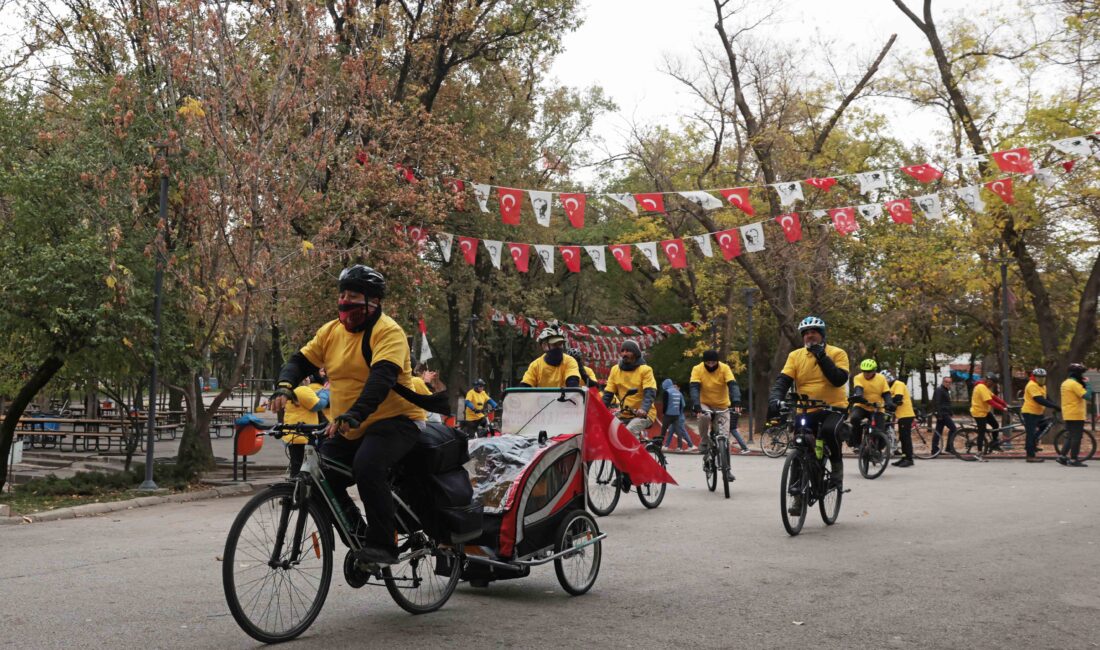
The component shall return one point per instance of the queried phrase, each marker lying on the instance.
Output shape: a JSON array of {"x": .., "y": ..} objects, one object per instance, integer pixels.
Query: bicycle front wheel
[
  {"x": 830, "y": 503},
  {"x": 874, "y": 455},
  {"x": 926, "y": 444},
  {"x": 277, "y": 565},
  {"x": 709, "y": 469},
  {"x": 1088, "y": 445},
  {"x": 793, "y": 491},
  {"x": 651, "y": 494},
  {"x": 724, "y": 464},
  {"x": 425, "y": 575},
  {"x": 603, "y": 487},
  {"x": 964, "y": 444},
  {"x": 774, "y": 441}
]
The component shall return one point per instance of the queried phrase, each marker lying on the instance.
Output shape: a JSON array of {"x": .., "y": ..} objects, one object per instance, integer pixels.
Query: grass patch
[{"x": 52, "y": 492}]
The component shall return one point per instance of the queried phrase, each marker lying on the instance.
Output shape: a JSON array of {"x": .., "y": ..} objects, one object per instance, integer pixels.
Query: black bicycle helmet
[
  {"x": 363, "y": 279},
  {"x": 479, "y": 382}
]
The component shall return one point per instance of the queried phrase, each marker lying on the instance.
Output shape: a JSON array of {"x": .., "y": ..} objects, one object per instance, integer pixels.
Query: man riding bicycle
[
  {"x": 367, "y": 358},
  {"x": 478, "y": 403},
  {"x": 982, "y": 404},
  {"x": 871, "y": 392},
  {"x": 636, "y": 409},
  {"x": 819, "y": 371},
  {"x": 554, "y": 369},
  {"x": 713, "y": 389},
  {"x": 588, "y": 376}
]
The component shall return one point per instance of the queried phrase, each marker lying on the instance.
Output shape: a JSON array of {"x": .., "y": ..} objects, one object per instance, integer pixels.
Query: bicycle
[
  {"x": 606, "y": 483},
  {"x": 776, "y": 437},
  {"x": 277, "y": 566},
  {"x": 965, "y": 445},
  {"x": 812, "y": 481},
  {"x": 717, "y": 459},
  {"x": 926, "y": 442},
  {"x": 874, "y": 448}
]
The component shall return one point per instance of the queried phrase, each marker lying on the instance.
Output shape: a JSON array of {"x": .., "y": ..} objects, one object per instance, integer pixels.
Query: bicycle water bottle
[{"x": 819, "y": 449}]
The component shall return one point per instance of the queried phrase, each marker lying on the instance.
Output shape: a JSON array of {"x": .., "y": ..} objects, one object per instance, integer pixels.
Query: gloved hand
[
  {"x": 343, "y": 424},
  {"x": 817, "y": 349},
  {"x": 774, "y": 408},
  {"x": 891, "y": 407},
  {"x": 283, "y": 394}
]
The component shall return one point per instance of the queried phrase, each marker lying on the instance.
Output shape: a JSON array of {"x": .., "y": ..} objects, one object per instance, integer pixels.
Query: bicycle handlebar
[{"x": 311, "y": 431}]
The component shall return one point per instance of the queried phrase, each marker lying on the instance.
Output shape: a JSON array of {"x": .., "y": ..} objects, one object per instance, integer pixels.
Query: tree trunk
[{"x": 49, "y": 367}]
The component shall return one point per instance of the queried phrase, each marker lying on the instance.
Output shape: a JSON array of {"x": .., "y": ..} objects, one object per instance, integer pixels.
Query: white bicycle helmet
[
  {"x": 1039, "y": 372},
  {"x": 811, "y": 323},
  {"x": 549, "y": 334}
]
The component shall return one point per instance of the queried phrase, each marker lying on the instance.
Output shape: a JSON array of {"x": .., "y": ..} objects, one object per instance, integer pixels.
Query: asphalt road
[{"x": 943, "y": 555}]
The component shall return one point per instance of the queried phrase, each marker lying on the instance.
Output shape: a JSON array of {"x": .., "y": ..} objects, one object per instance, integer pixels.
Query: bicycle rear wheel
[
  {"x": 830, "y": 503},
  {"x": 724, "y": 464},
  {"x": 774, "y": 441},
  {"x": 425, "y": 575},
  {"x": 577, "y": 570},
  {"x": 926, "y": 445},
  {"x": 874, "y": 455},
  {"x": 603, "y": 487},
  {"x": 964, "y": 444},
  {"x": 1088, "y": 445},
  {"x": 790, "y": 487},
  {"x": 277, "y": 565},
  {"x": 651, "y": 494}
]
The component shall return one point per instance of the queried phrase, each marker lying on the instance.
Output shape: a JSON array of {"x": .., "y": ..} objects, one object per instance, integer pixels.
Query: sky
[{"x": 622, "y": 46}]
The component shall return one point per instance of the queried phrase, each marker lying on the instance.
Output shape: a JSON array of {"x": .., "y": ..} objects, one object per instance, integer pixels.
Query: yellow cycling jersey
[
  {"x": 875, "y": 391},
  {"x": 620, "y": 381},
  {"x": 713, "y": 388},
  {"x": 1073, "y": 400},
  {"x": 300, "y": 412},
  {"x": 808, "y": 378},
  {"x": 1031, "y": 391},
  {"x": 340, "y": 353},
  {"x": 543, "y": 375},
  {"x": 905, "y": 409},
  {"x": 479, "y": 399},
  {"x": 979, "y": 400},
  {"x": 591, "y": 375}
]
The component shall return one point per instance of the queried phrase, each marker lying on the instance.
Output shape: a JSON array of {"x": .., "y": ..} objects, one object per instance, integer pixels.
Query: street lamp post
[
  {"x": 1006, "y": 379},
  {"x": 470, "y": 351},
  {"x": 750, "y": 293},
  {"x": 158, "y": 284}
]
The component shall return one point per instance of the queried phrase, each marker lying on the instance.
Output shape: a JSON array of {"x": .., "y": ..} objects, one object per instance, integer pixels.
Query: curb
[{"x": 91, "y": 509}]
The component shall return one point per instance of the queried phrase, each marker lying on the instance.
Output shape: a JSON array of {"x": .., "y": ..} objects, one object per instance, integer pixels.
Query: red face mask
[{"x": 352, "y": 314}]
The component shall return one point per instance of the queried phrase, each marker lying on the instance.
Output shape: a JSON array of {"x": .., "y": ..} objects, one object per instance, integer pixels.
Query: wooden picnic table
[{"x": 95, "y": 428}]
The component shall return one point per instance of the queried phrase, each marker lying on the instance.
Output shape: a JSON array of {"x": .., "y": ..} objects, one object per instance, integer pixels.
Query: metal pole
[
  {"x": 749, "y": 292},
  {"x": 158, "y": 283},
  {"x": 470, "y": 352},
  {"x": 1006, "y": 379}
]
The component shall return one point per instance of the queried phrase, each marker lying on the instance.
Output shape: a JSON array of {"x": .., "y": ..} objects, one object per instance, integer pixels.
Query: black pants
[
  {"x": 1031, "y": 425},
  {"x": 1074, "y": 430},
  {"x": 371, "y": 458},
  {"x": 943, "y": 422},
  {"x": 471, "y": 426},
  {"x": 905, "y": 434},
  {"x": 990, "y": 421},
  {"x": 858, "y": 416},
  {"x": 828, "y": 427}
]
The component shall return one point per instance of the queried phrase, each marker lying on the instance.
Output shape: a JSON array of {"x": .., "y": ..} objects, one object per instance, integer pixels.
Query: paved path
[{"x": 943, "y": 555}]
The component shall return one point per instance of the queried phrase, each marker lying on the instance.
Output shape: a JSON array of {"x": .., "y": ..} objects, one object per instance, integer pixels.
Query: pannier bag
[{"x": 439, "y": 448}]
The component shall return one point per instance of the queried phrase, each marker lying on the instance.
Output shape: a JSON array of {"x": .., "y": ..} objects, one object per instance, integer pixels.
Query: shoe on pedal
[
  {"x": 376, "y": 555},
  {"x": 730, "y": 477},
  {"x": 795, "y": 508}
]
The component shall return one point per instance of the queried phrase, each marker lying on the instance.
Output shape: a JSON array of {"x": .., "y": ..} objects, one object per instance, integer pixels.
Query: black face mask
[
  {"x": 554, "y": 356},
  {"x": 709, "y": 369},
  {"x": 629, "y": 365}
]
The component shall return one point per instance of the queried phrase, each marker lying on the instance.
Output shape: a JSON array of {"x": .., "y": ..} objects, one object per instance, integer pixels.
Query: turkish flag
[
  {"x": 623, "y": 256},
  {"x": 405, "y": 173},
  {"x": 791, "y": 225},
  {"x": 668, "y": 329},
  {"x": 651, "y": 201},
  {"x": 417, "y": 233},
  {"x": 674, "y": 250},
  {"x": 469, "y": 248},
  {"x": 571, "y": 255},
  {"x": 455, "y": 185},
  {"x": 1014, "y": 160},
  {"x": 606, "y": 438},
  {"x": 730, "y": 243},
  {"x": 574, "y": 208},
  {"x": 519, "y": 253},
  {"x": 844, "y": 220},
  {"x": 1068, "y": 165},
  {"x": 822, "y": 183},
  {"x": 1002, "y": 188},
  {"x": 925, "y": 173},
  {"x": 510, "y": 202},
  {"x": 900, "y": 211},
  {"x": 739, "y": 197}
]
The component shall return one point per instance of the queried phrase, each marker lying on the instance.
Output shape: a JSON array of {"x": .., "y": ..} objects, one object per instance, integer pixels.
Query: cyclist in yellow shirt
[
  {"x": 1074, "y": 390},
  {"x": 588, "y": 376},
  {"x": 905, "y": 416},
  {"x": 478, "y": 403},
  {"x": 366, "y": 355},
  {"x": 713, "y": 389},
  {"x": 982, "y": 403},
  {"x": 819, "y": 371},
  {"x": 874, "y": 391},
  {"x": 632, "y": 372},
  {"x": 554, "y": 369},
  {"x": 1035, "y": 404}
]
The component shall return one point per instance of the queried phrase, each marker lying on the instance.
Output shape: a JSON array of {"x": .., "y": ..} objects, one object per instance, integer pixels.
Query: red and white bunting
[
  {"x": 599, "y": 257},
  {"x": 511, "y": 201},
  {"x": 520, "y": 254},
  {"x": 469, "y": 248},
  {"x": 674, "y": 251},
  {"x": 494, "y": 248},
  {"x": 623, "y": 256},
  {"x": 900, "y": 211},
  {"x": 1002, "y": 187},
  {"x": 571, "y": 255},
  {"x": 925, "y": 173},
  {"x": 1017, "y": 161},
  {"x": 574, "y": 208},
  {"x": 648, "y": 250},
  {"x": 844, "y": 220},
  {"x": 824, "y": 184},
  {"x": 791, "y": 225},
  {"x": 651, "y": 201},
  {"x": 730, "y": 243},
  {"x": 739, "y": 198}
]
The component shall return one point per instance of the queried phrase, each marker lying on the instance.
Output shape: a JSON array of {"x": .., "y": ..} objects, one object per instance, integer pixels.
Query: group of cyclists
[{"x": 379, "y": 405}]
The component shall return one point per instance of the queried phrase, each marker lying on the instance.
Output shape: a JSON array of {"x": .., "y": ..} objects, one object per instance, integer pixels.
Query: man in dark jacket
[{"x": 941, "y": 401}]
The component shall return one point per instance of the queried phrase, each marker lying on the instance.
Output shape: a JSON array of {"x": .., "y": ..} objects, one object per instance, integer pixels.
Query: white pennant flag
[
  {"x": 870, "y": 211},
  {"x": 930, "y": 205},
  {"x": 627, "y": 200},
  {"x": 540, "y": 202},
  {"x": 704, "y": 244},
  {"x": 1046, "y": 177},
  {"x": 649, "y": 251},
  {"x": 599, "y": 257},
  {"x": 680, "y": 328},
  {"x": 445, "y": 241},
  {"x": 1079, "y": 147},
  {"x": 821, "y": 214},
  {"x": 703, "y": 200},
  {"x": 753, "y": 237},
  {"x": 972, "y": 196},
  {"x": 966, "y": 161},
  {"x": 789, "y": 192},
  {"x": 481, "y": 193},
  {"x": 871, "y": 182},
  {"x": 546, "y": 254},
  {"x": 494, "y": 248}
]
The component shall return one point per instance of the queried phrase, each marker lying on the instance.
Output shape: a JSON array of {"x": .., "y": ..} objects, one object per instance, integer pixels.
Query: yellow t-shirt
[
  {"x": 713, "y": 390},
  {"x": 979, "y": 400},
  {"x": 906, "y": 408},
  {"x": 543, "y": 375},
  {"x": 1031, "y": 391},
  {"x": 875, "y": 391},
  {"x": 808, "y": 378},
  {"x": 1073, "y": 400},
  {"x": 422, "y": 388},
  {"x": 591, "y": 375},
  {"x": 479, "y": 399},
  {"x": 620, "y": 381},
  {"x": 301, "y": 412},
  {"x": 340, "y": 352}
]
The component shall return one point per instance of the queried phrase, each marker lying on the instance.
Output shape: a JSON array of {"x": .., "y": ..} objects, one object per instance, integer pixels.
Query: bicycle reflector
[{"x": 316, "y": 545}]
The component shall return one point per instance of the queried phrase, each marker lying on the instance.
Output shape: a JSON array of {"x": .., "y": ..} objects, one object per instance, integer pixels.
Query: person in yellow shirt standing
[
  {"x": 366, "y": 355},
  {"x": 874, "y": 391},
  {"x": 1035, "y": 403},
  {"x": 478, "y": 404},
  {"x": 905, "y": 416},
  {"x": 713, "y": 389},
  {"x": 554, "y": 369},
  {"x": 1074, "y": 389}
]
